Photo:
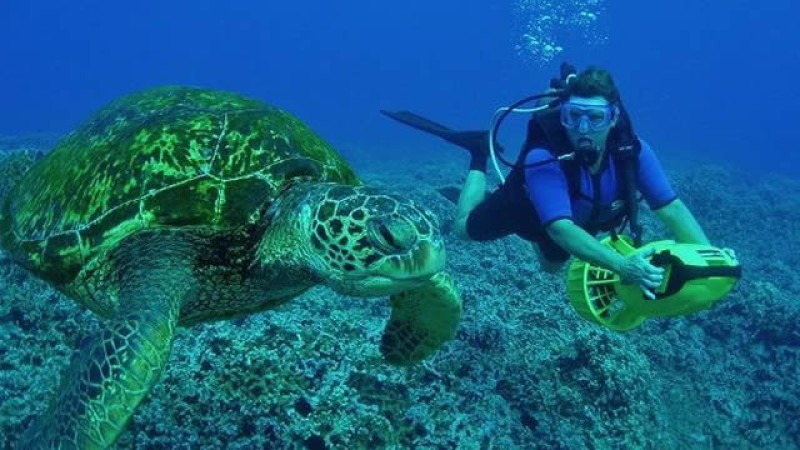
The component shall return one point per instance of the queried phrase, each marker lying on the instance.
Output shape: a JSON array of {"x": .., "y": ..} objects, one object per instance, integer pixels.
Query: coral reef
[{"x": 524, "y": 372}]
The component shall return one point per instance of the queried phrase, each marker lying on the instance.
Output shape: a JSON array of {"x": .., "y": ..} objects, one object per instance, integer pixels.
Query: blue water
[
  {"x": 713, "y": 82},
  {"x": 708, "y": 80}
]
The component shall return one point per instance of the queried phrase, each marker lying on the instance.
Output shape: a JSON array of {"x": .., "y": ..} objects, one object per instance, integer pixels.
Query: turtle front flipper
[
  {"x": 115, "y": 368},
  {"x": 422, "y": 320}
]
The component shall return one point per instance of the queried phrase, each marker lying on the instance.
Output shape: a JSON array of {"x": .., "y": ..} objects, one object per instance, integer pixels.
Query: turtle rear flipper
[
  {"x": 114, "y": 369},
  {"x": 422, "y": 320}
]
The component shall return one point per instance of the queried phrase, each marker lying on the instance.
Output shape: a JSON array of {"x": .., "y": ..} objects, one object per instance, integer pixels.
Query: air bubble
[{"x": 544, "y": 26}]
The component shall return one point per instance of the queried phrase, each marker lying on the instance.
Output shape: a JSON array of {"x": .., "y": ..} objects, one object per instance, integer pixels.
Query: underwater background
[{"x": 710, "y": 85}]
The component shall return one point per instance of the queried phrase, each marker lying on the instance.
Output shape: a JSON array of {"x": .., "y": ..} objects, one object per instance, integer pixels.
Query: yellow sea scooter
[{"x": 695, "y": 278}]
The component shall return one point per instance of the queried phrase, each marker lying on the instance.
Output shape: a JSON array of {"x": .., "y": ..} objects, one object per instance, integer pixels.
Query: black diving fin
[{"x": 476, "y": 142}]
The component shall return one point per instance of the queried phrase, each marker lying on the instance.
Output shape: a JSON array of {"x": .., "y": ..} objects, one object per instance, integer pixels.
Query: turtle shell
[{"x": 164, "y": 158}]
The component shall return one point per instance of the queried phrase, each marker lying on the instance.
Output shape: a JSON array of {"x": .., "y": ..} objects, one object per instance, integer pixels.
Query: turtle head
[{"x": 367, "y": 242}]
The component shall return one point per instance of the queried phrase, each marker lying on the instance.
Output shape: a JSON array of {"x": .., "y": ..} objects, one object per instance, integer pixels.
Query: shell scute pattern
[{"x": 165, "y": 157}]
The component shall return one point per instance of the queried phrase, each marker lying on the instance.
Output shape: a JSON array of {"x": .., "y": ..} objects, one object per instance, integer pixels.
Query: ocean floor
[{"x": 524, "y": 372}]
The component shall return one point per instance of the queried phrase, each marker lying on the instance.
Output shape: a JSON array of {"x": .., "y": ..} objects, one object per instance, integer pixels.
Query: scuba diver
[{"x": 578, "y": 174}]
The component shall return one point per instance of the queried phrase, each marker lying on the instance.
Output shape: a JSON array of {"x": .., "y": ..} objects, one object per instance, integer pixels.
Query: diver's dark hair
[{"x": 594, "y": 81}]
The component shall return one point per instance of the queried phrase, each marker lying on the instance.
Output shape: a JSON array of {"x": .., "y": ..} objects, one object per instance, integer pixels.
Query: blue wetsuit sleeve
[
  {"x": 651, "y": 180},
  {"x": 547, "y": 187}
]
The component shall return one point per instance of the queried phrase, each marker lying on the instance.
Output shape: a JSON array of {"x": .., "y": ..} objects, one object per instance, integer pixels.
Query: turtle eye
[
  {"x": 392, "y": 235},
  {"x": 382, "y": 238},
  {"x": 387, "y": 235}
]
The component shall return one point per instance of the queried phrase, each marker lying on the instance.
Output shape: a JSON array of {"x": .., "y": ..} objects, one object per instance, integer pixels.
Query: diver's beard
[{"x": 587, "y": 152}]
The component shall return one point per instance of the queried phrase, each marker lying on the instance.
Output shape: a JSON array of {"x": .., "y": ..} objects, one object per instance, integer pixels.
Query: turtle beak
[
  {"x": 424, "y": 260},
  {"x": 399, "y": 272}
]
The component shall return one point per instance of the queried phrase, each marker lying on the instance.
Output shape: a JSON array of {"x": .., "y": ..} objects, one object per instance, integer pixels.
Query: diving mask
[{"x": 587, "y": 117}]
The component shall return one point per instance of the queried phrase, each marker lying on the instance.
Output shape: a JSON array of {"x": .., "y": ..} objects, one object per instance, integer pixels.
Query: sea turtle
[{"x": 179, "y": 205}]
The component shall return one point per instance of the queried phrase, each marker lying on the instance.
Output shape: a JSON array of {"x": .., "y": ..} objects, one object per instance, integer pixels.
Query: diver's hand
[{"x": 636, "y": 269}]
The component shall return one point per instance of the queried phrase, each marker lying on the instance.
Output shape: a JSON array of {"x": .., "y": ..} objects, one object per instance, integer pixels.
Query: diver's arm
[
  {"x": 634, "y": 268},
  {"x": 584, "y": 246},
  {"x": 682, "y": 223}
]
